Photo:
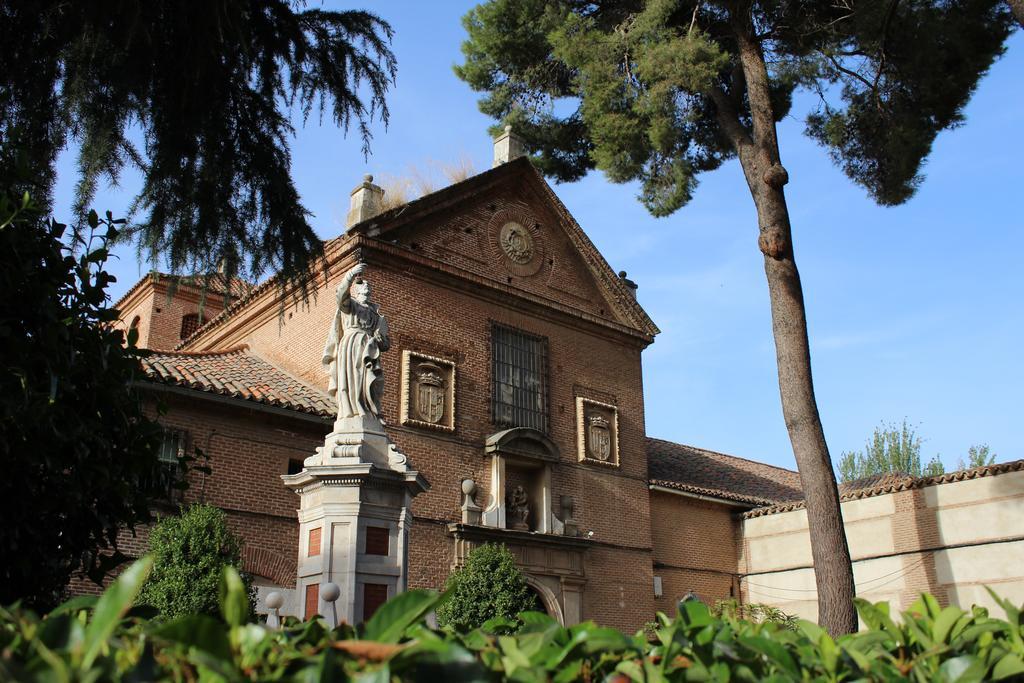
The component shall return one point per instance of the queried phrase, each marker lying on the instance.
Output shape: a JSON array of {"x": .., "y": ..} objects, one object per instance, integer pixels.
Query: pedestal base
[{"x": 354, "y": 524}]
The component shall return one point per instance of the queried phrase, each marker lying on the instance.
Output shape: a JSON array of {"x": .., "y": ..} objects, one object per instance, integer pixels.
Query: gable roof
[
  {"x": 611, "y": 285},
  {"x": 707, "y": 473},
  {"x": 237, "y": 373},
  {"x": 615, "y": 290}
]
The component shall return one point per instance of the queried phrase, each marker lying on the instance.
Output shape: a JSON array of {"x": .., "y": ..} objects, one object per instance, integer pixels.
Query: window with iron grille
[
  {"x": 190, "y": 322},
  {"x": 520, "y": 379},
  {"x": 172, "y": 446}
]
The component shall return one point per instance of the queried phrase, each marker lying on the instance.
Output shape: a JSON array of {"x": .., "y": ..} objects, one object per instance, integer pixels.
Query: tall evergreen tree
[
  {"x": 208, "y": 87},
  {"x": 668, "y": 89}
]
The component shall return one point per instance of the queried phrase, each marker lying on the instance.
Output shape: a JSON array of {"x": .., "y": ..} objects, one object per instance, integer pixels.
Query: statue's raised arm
[{"x": 355, "y": 341}]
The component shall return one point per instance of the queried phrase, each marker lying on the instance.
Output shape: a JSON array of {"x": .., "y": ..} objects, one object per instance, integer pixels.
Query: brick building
[{"x": 515, "y": 361}]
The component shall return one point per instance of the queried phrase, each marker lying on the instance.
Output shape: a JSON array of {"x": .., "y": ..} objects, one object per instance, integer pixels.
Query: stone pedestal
[
  {"x": 354, "y": 440},
  {"x": 354, "y": 521}
]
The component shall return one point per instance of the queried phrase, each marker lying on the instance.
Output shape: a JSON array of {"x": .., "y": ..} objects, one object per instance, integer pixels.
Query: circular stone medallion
[{"x": 516, "y": 242}]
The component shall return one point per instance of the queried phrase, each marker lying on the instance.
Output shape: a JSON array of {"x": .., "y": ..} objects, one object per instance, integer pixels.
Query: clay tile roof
[
  {"x": 239, "y": 374},
  {"x": 703, "y": 472},
  {"x": 893, "y": 482}
]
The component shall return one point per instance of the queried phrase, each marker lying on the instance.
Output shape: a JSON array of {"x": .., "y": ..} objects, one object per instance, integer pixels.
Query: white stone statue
[{"x": 351, "y": 355}]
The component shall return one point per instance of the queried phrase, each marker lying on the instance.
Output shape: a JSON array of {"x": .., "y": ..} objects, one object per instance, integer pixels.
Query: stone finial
[
  {"x": 365, "y": 202},
  {"x": 570, "y": 528},
  {"x": 507, "y": 146},
  {"x": 470, "y": 510},
  {"x": 630, "y": 285}
]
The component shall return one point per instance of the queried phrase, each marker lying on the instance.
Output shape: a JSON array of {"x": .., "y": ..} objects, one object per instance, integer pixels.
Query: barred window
[
  {"x": 190, "y": 322},
  {"x": 520, "y": 379},
  {"x": 172, "y": 446}
]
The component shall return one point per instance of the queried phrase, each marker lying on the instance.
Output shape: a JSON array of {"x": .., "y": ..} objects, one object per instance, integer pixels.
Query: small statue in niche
[{"x": 518, "y": 509}]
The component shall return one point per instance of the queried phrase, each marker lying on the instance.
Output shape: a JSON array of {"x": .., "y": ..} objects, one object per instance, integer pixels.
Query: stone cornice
[{"x": 484, "y": 534}]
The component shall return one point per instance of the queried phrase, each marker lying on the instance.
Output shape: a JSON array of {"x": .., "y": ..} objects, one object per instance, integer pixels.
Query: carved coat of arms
[
  {"x": 429, "y": 393},
  {"x": 600, "y": 438},
  {"x": 516, "y": 242}
]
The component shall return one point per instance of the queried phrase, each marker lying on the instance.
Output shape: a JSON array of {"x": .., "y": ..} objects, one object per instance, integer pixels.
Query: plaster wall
[{"x": 950, "y": 539}]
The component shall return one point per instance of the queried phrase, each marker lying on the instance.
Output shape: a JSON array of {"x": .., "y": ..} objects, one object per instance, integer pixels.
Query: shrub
[
  {"x": 489, "y": 586},
  {"x": 733, "y": 610},
  {"x": 190, "y": 553},
  {"x": 86, "y": 639}
]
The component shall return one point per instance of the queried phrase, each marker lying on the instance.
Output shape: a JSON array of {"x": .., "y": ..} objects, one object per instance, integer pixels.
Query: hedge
[{"x": 108, "y": 640}]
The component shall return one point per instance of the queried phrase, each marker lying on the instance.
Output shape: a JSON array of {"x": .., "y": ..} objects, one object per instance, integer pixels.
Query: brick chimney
[
  {"x": 365, "y": 202},
  {"x": 507, "y": 146}
]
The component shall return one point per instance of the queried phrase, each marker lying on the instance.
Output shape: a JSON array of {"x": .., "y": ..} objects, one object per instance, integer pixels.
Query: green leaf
[
  {"x": 963, "y": 669},
  {"x": 694, "y": 613},
  {"x": 112, "y": 605},
  {"x": 499, "y": 624},
  {"x": 75, "y": 604},
  {"x": 197, "y": 631},
  {"x": 772, "y": 650},
  {"x": 632, "y": 669},
  {"x": 1009, "y": 665},
  {"x": 234, "y": 602},
  {"x": 400, "y": 612},
  {"x": 944, "y": 623}
]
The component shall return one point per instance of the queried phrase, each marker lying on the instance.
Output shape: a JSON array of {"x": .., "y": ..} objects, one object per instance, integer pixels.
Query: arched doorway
[{"x": 546, "y": 599}]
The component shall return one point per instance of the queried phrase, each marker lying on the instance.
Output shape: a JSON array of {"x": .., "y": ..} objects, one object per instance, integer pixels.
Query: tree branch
[{"x": 729, "y": 121}]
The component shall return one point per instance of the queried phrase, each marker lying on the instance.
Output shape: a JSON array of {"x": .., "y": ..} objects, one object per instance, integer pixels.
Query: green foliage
[
  {"x": 207, "y": 86},
  {"x": 733, "y": 610},
  {"x": 892, "y": 448},
  {"x": 191, "y": 553},
  {"x": 977, "y": 456},
  {"x": 490, "y": 586},
  {"x": 106, "y": 640},
  {"x": 79, "y": 455},
  {"x": 654, "y": 81}
]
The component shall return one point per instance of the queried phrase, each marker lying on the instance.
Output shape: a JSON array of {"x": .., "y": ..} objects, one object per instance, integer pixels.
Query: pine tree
[
  {"x": 668, "y": 89},
  {"x": 207, "y": 86}
]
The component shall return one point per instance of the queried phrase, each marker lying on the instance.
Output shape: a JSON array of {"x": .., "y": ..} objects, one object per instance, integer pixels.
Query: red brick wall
[
  {"x": 694, "y": 548},
  {"x": 248, "y": 451},
  {"x": 160, "y": 309}
]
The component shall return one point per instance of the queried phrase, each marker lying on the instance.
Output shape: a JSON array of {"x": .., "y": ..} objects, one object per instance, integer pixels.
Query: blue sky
[{"x": 914, "y": 312}]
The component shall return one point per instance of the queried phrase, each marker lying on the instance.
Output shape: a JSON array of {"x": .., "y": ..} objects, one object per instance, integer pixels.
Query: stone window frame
[
  {"x": 409, "y": 358},
  {"x": 614, "y": 460}
]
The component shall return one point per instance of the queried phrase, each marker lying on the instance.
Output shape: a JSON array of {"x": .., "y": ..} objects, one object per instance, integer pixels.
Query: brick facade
[
  {"x": 695, "y": 549},
  {"x": 439, "y": 283},
  {"x": 438, "y": 273}
]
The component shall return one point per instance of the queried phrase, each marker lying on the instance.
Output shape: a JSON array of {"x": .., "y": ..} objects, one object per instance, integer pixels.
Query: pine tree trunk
[
  {"x": 759, "y": 156},
  {"x": 833, "y": 572}
]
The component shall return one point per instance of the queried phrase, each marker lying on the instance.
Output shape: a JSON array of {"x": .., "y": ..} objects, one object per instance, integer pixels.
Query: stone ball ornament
[
  {"x": 330, "y": 592},
  {"x": 468, "y": 487},
  {"x": 275, "y": 600}
]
